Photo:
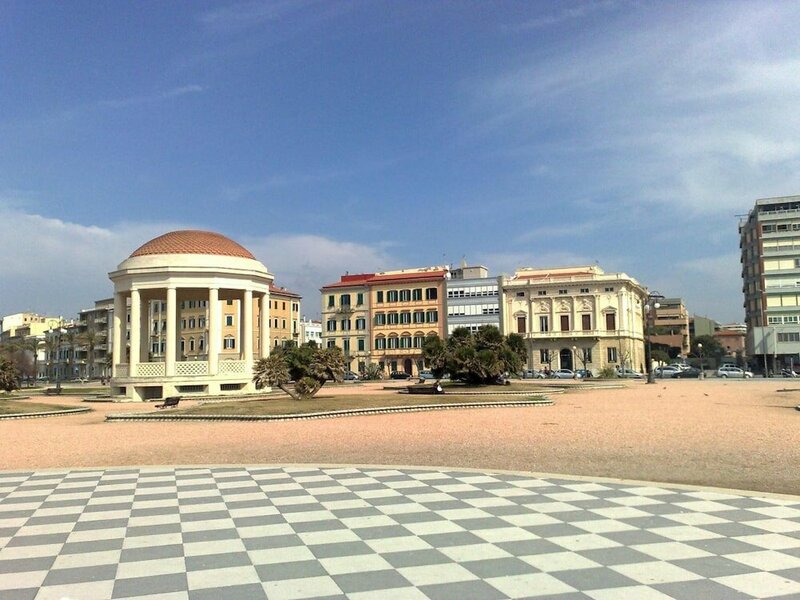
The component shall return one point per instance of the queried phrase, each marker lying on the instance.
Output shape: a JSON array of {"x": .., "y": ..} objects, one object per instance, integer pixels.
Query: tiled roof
[
  {"x": 192, "y": 242},
  {"x": 274, "y": 289},
  {"x": 416, "y": 276},
  {"x": 350, "y": 281}
]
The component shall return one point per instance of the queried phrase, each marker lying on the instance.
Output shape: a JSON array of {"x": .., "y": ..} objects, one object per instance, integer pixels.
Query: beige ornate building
[
  {"x": 284, "y": 316},
  {"x": 575, "y": 317},
  {"x": 193, "y": 296}
]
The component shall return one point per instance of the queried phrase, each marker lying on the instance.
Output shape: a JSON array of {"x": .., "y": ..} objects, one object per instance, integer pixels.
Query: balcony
[{"x": 345, "y": 309}]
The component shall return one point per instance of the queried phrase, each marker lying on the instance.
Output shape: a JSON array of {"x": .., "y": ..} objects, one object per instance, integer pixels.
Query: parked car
[
  {"x": 350, "y": 376},
  {"x": 680, "y": 366},
  {"x": 399, "y": 375},
  {"x": 629, "y": 374},
  {"x": 584, "y": 373},
  {"x": 731, "y": 371},
  {"x": 532, "y": 374},
  {"x": 563, "y": 374},
  {"x": 426, "y": 374},
  {"x": 668, "y": 371},
  {"x": 690, "y": 373},
  {"x": 789, "y": 373}
]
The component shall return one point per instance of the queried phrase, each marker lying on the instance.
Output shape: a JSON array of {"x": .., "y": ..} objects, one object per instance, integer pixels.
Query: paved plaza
[{"x": 375, "y": 532}]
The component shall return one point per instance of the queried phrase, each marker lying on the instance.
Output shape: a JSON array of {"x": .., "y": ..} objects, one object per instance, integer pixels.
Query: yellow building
[
  {"x": 346, "y": 319},
  {"x": 575, "y": 317},
  {"x": 285, "y": 316}
]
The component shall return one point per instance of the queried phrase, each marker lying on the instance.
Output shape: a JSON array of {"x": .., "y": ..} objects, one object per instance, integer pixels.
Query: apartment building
[
  {"x": 472, "y": 299},
  {"x": 671, "y": 327},
  {"x": 24, "y": 324},
  {"x": 310, "y": 331},
  {"x": 575, "y": 317},
  {"x": 769, "y": 238},
  {"x": 284, "y": 316},
  {"x": 346, "y": 319},
  {"x": 94, "y": 340}
]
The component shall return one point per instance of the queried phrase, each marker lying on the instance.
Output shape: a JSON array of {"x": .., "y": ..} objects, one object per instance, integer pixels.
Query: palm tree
[
  {"x": 273, "y": 370},
  {"x": 51, "y": 348},
  {"x": 90, "y": 338},
  {"x": 71, "y": 336}
]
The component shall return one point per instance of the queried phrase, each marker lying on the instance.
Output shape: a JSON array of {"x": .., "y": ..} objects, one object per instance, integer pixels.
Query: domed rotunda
[{"x": 168, "y": 299}]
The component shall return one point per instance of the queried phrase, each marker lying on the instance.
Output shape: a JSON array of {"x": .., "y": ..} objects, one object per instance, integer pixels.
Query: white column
[
  {"x": 264, "y": 328},
  {"x": 213, "y": 331},
  {"x": 171, "y": 349},
  {"x": 247, "y": 329},
  {"x": 118, "y": 342},
  {"x": 136, "y": 332}
]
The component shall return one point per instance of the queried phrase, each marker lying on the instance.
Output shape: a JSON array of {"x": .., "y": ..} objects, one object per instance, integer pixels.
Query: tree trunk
[{"x": 289, "y": 391}]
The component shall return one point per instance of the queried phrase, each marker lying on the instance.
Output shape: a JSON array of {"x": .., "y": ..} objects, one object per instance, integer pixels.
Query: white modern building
[
  {"x": 178, "y": 268},
  {"x": 472, "y": 299},
  {"x": 310, "y": 331}
]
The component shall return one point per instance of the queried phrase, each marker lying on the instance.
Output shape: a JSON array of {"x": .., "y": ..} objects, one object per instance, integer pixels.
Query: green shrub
[{"x": 607, "y": 372}]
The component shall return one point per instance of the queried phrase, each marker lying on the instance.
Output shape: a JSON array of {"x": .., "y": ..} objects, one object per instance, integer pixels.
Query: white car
[
  {"x": 669, "y": 371},
  {"x": 629, "y": 374},
  {"x": 731, "y": 371},
  {"x": 563, "y": 374}
]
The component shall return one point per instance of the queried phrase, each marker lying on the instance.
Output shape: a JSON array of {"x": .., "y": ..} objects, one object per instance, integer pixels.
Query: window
[
  {"x": 418, "y": 341},
  {"x": 612, "y": 355},
  {"x": 522, "y": 324},
  {"x": 331, "y": 326},
  {"x": 192, "y": 323},
  {"x": 774, "y": 320},
  {"x": 586, "y": 322},
  {"x": 564, "y": 322},
  {"x": 432, "y": 316},
  {"x": 611, "y": 321},
  {"x": 562, "y": 292},
  {"x": 361, "y": 323},
  {"x": 346, "y": 346},
  {"x": 361, "y": 345},
  {"x": 405, "y": 341},
  {"x": 345, "y": 324},
  {"x": 520, "y": 294},
  {"x": 331, "y": 302},
  {"x": 391, "y": 296},
  {"x": 154, "y": 348},
  {"x": 155, "y": 326},
  {"x": 380, "y": 319},
  {"x": 344, "y": 299},
  {"x": 163, "y": 325},
  {"x": 359, "y": 299},
  {"x": 229, "y": 343},
  {"x": 587, "y": 355},
  {"x": 228, "y": 302},
  {"x": 416, "y": 294},
  {"x": 393, "y": 319},
  {"x": 419, "y": 316},
  {"x": 431, "y": 294},
  {"x": 191, "y": 344},
  {"x": 331, "y": 343},
  {"x": 391, "y": 343},
  {"x": 276, "y": 323},
  {"x": 202, "y": 344},
  {"x": 380, "y": 343},
  {"x": 379, "y": 297},
  {"x": 183, "y": 323},
  {"x": 295, "y": 307},
  {"x": 405, "y": 295},
  {"x": 283, "y": 323},
  {"x": 609, "y": 289},
  {"x": 544, "y": 357},
  {"x": 542, "y": 292},
  {"x": 183, "y": 345},
  {"x": 789, "y": 336},
  {"x": 584, "y": 290},
  {"x": 405, "y": 318},
  {"x": 544, "y": 324},
  {"x": 229, "y": 320}
]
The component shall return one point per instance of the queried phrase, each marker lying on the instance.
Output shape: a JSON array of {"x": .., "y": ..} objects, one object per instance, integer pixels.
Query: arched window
[
  {"x": 191, "y": 344},
  {"x": 183, "y": 345}
]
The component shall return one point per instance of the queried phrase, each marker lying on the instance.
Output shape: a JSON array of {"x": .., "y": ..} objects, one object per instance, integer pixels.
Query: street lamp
[
  {"x": 700, "y": 350},
  {"x": 574, "y": 357},
  {"x": 651, "y": 375}
]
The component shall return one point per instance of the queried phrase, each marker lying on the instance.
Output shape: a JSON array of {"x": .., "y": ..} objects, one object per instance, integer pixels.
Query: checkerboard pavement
[{"x": 363, "y": 533}]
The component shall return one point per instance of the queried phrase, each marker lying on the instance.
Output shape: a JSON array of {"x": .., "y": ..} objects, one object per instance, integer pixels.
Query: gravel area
[{"x": 735, "y": 434}]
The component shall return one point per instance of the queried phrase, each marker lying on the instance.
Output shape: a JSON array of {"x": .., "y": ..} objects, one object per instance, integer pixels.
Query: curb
[
  {"x": 52, "y": 413},
  {"x": 330, "y": 414}
]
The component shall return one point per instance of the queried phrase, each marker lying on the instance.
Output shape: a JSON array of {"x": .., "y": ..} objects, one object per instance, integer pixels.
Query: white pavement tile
[
  {"x": 433, "y": 527},
  {"x": 86, "y": 559},
  {"x": 671, "y": 551},
  {"x": 761, "y": 585},
  {"x": 211, "y": 578},
  {"x": 341, "y": 565},
  {"x": 215, "y": 547},
  {"x": 398, "y": 544},
  {"x": 333, "y": 536},
  {"x": 531, "y": 585},
  {"x": 589, "y": 541},
  {"x": 634, "y": 592},
  {"x": 603, "y": 526},
  {"x": 652, "y": 573},
  {"x": 274, "y": 556},
  {"x": 505, "y": 534},
  {"x": 685, "y": 533},
  {"x": 92, "y": 589},
  {"x": 530, "y": 520},
  {"x": 471, "y": 552},
  {"x": 29, "y": 579},
  {"x": 771, "y": 541},
  {"x": 435, "y": 574},
  {"x": 774, "y": 525},
  {"x": 297, "y": 589},
  {"x": 405, "y": 593},
  {"x": 766, "y": 560},
  {"x": 151, "y": 568},
  {"x": 559, "y": 561}
]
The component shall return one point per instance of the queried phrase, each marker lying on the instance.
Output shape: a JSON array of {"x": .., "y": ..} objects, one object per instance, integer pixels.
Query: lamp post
[
  {"x": 649, "y": 317},
  {"x": 700, "y": 350},
  {"x": 574, "y": 357}
]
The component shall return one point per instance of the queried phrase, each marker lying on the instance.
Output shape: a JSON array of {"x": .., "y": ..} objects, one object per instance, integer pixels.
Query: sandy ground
[{"x": 735, "y": 434}]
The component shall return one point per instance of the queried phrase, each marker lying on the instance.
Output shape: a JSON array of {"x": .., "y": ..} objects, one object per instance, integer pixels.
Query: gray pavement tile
[
  {"x": 151, "y": 553},
  {"x": 159, "y": 496},
  {"x": 382, "y": 532},
  {"x": 300, "y": 508},
  {"x": 290, "y": 570},
  {"x": 615, "y": 556},
  {"x": 38, "y": 540},
  {"x": 253, "y": 591},
  {"x": 636, "y": 536},
  {"x": 217, "y": 561},
  {"x": 211, "y": 515},
  {"x": 441, "y": 505},
  {"x": 80, "y": 575},
  {"x": 444, "y": 540},
  {"x": 339, "y": 549},
  {"x": 790, "y": 574},
  {"x": 210, "y": 499},
  {"x": 703, "y": 588},
  {"x": 594, "y": 579},
  {"x": 724, "y": 546},
  {"x": 349, "y": 513},
  {"x": 8, "y": 532},
  {"x": 155, "y": 511},
  {"x": 479, "y": 523},
  {"x": 416, "y": 558},
  {"x": 235, "y": 504},
  {"x": 740, "y": 515},
  {"x": 102, "y": 524},
  {"x": 208, "y": 536},
  {"x": 388, "y": 500},
  {"x": 506, "y": 510},
  {"x": 63, "y": 503},
  {"x": 95, "y": 508},
  {"x": 462, "y": 590},
  {"x": 198, "y": 487},
  {"x": 155, "y": 585},
  {"x": 732, "y": 529},
  {"x": 272, "y": 541},
  {"x": 93, "y": 546},
  {"x": 258, "y": 521},
  {"x": 369, "y": 581},
  {"x": 417, "y": 517},
  {"x": 590, "y": 504},
  {"x": 242, "y": 489},
  {"x": 529, "y": 547},
  {"x": 554, "y": 530},
  {"x": 498, "y": 567},
  {"x": 713, "y": 566},
  {"x": 650, "y": 522},
  {"x": 24, "y": 565},
  {"x": 17, "y": 514},
  {"x": 20, "y": 594},
  {"x": 161, "y": 529},
  {"x": 284, "y": 493},
  {"x": 50, "y": 519},
  {"x": 311, "y": 526},
  {"x": 744, "y": 502},
  {"x": 115, "y": 493}
]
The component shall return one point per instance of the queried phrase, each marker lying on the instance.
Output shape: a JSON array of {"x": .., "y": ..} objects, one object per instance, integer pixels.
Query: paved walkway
[{"x": 304, "y": 532}]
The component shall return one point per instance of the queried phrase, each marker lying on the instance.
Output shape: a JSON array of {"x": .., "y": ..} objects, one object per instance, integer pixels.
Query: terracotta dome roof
[{"x": 192, "y": 242}]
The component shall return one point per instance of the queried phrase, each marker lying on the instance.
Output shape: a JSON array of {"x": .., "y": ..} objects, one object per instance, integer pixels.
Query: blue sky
[{"x": 357, "y": 136}]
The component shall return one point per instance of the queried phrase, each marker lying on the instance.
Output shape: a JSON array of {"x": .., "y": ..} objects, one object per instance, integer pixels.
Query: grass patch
[
  {"x": 287, "y": 406},
  {"x": 17, "y": 407}
]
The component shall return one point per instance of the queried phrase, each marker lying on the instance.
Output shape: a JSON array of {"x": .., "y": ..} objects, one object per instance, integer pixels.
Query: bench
[
  {"x": 422, "y": 388},
  {"x": 52, "y": 392},
  {"x": 169, "y": 402}
]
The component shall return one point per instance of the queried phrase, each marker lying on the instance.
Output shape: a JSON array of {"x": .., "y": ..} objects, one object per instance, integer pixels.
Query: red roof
[
  {"x": 192, "y": 242},
  {"x": 399, "y": 277},
  {"x": 281, "y": 291},
  {"x": 350, "y": 281}
]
